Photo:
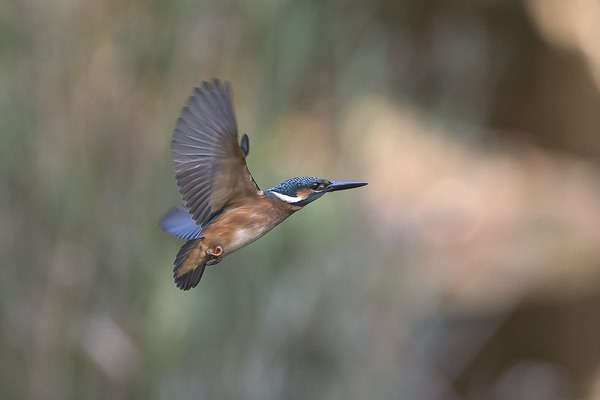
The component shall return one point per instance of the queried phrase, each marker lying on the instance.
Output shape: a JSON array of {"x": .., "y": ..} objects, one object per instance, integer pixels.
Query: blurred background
[{"x": 469, "y": 268}]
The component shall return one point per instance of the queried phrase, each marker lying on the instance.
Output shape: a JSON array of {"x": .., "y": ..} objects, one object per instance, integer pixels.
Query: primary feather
[{"x": 210, "y": 165}]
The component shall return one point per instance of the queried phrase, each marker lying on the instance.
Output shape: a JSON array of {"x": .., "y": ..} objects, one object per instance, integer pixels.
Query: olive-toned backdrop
[{"x": 469, "y": 268}]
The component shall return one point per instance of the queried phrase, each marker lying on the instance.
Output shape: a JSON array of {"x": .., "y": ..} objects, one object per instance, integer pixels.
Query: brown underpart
[{"x": 259, "y": 215}]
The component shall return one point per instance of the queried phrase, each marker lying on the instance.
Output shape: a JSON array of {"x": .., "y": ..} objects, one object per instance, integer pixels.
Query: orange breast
[{"x": 245, "y": 223}]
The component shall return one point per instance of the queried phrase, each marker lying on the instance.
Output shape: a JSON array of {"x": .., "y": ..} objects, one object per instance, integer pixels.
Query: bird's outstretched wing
[{"x": 210, "y": 163}]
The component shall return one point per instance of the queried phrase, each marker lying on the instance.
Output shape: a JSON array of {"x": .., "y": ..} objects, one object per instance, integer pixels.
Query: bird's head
[{"x": 306, "y": 189}]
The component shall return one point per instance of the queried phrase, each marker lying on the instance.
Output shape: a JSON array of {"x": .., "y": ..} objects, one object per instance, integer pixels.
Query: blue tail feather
[{"x": 179, "y": 222}]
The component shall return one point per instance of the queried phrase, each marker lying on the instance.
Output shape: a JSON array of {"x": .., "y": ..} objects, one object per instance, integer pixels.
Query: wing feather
[{"x": 210, "y": 165}]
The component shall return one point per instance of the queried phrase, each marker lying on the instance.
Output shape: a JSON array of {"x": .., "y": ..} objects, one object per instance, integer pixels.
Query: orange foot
[{"x": 217, "y": 253}]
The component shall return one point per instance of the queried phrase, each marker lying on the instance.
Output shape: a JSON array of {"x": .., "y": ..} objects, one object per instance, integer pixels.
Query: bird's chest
[
  {"x": 243, "y": 236},
  {"x": 242, "y": 226}
]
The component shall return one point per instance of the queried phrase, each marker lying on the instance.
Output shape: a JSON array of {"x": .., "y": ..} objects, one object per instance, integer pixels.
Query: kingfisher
[{"x": 224, "y": 209}]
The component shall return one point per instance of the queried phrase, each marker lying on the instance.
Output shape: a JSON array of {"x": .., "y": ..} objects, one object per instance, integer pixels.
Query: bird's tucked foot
[{"x": 216, "y": 255}]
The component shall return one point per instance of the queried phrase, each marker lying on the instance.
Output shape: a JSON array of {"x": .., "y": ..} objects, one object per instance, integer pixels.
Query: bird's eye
[{"x": 317, "y": 186}]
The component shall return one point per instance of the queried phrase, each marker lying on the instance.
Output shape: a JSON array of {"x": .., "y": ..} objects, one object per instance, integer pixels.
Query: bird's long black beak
[{"x": 343, "y": 185}]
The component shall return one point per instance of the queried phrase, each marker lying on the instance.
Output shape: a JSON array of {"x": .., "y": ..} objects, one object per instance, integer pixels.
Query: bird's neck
[{"x": 280, "y": 204}]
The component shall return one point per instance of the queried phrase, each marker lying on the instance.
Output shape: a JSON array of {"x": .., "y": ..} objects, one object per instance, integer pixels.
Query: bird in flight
[{"x": 224, "y": 208}]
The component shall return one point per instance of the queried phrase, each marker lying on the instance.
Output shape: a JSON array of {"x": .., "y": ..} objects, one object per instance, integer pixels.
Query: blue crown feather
[{"x": 290, "y": 186}]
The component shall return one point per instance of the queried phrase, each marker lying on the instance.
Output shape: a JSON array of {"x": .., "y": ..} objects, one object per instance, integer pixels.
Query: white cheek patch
[{"x": 286, "y": 198}]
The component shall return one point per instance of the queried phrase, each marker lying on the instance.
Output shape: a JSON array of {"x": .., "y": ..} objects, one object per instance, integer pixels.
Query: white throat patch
[{"x": 286, "y": 198}]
